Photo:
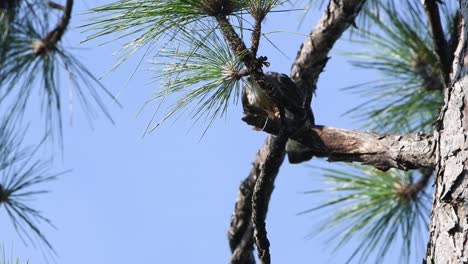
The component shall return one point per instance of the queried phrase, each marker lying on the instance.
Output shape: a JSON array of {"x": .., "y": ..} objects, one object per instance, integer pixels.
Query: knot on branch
[
  {"x": 42, "y": 47},
  {"x": 409, "y": 191}
]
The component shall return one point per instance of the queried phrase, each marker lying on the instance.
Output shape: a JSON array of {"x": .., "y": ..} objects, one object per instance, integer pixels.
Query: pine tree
[{"x": 207, "y": 57}]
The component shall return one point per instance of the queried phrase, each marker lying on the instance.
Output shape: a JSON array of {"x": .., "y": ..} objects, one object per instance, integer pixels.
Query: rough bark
[
  {"x": 448, "y": 241},
  {"x": 409, "y": 151},
  {"x": 262, "y": 193},
  {"x": 240, "y": 232},
  {"x": 313, "y": 54}
]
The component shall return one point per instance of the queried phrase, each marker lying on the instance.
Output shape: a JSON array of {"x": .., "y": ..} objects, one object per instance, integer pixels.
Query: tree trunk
[{"x": 448, "y": 241}]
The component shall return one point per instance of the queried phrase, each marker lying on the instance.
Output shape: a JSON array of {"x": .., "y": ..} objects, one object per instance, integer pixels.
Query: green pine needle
[
  {"x": 148, "y": 23},
  {"x": 374, "y": 209},
  {"x": 408, "y": 96},
  {"x": 144, "y": 22},
  {"x": 200, "y": 69},
  {"x": 200, "y": 74},
  {"x": 22, "y": 71},
  {"x": 260, "y": 8},
  {"x": 21, "y": 175},
  {"x": 150, "y": 19}
]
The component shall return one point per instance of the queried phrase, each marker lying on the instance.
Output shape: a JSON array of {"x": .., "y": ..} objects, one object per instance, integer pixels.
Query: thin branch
[
  {"x": 243, "y": 253},
  {"x": 244, "y": 54},
  {"x": 240, "y": 233},
  {"x": 3, "y": 194},
  {"x": 275, "y": 157},
  {"x": 454, "y": 35},
  {"x": 409, "y": 191},
  {"x": 235, "y": 42},
  {"x": 256, "y": 33},
  {"x": 313, "y": 54},
  {"x": 262, "y": 192},
  {"x": 237, "y": 75},
  {"x": 49, "y": 42},
  {"x": 409, "y": 151},
  {"x": 438, "y": 37},
  {"x": 254, "y": 66},
  {"x": 56, "y": 6}
]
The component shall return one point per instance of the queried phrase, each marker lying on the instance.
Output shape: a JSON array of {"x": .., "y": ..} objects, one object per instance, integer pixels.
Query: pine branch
[
  {"x": 256, "y": 33},
  {"x": 201, "y": 73},
  {"x": 410, "y": 151},
  {"x": 259, "y": 9},
  {"x": 240, "y": 233},
  {"x": 372, "y": 211},
  {"x": 235, "y": 42},
  {"x": 438, "y": 37},
  {"x": 313, "y": 54},
  {"x": 407, "y": 94},
  {"x": 254, "y": 65},
  {"x": 57, "y": 6},
  {"x": 262, "y": 192},
  {"x": 270, "y": 171}
]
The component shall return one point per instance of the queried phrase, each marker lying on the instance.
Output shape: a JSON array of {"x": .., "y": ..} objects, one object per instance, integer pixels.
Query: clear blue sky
[{"x": 168, "y": 197}]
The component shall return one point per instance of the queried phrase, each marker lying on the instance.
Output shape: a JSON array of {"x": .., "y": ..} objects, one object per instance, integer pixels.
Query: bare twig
[
  {"x": 438, "y": 37},
  {"x": 56, "y": 6}
]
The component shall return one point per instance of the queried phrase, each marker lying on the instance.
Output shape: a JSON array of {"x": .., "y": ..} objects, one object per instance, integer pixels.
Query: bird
[{"x": 256, "y": 101}]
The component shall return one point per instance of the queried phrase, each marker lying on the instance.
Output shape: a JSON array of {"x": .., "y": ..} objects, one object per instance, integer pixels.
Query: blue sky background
[{"x": 168, "y": 197}]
